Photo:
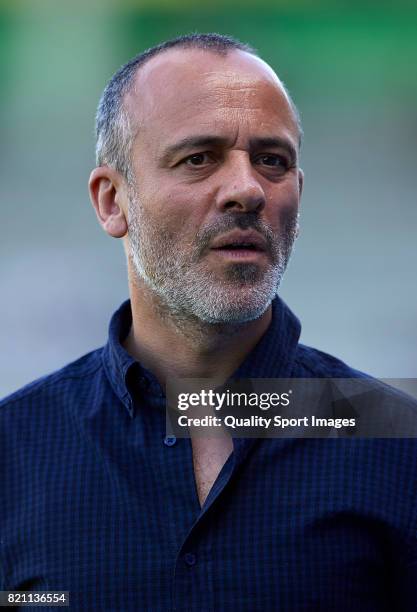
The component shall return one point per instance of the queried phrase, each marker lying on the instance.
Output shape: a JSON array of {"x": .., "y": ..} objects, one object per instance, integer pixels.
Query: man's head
[{"x": 198, "y": 171}]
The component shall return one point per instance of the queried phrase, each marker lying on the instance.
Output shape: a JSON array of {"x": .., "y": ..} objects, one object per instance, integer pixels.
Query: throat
[{"x": 179, "y": 346}]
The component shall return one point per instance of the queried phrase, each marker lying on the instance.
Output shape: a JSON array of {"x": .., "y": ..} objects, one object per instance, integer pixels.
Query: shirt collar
[
  {"x": 272, "y": 357},
  {"x": 117, "y": 361}
]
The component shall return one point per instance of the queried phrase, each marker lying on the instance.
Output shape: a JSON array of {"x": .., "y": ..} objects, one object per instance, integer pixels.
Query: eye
[
  {"x": 197, "y": 159},
  {"x": 271, "y": 160}
]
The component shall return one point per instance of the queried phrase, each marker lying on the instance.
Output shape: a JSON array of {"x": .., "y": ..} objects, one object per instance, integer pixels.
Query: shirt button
[
  {"x": 190, "y": 559},
  {"x": 170, "y": 440}
]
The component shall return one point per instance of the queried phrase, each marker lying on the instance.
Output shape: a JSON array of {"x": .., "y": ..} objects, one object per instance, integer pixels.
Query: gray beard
[{"x": 187, "y": 289}]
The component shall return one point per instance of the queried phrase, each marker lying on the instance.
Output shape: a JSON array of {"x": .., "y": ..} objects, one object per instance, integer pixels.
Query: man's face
[{"x": 214, "y": 198}]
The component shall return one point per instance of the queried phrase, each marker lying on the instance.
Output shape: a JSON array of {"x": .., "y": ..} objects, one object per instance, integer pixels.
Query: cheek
[
  {"x": 283, "y": 204},
  {"x": 172, "y": 222},
  {"x": 180, "y": 209}
]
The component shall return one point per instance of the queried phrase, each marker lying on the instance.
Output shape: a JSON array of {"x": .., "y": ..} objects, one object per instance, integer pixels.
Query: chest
[
  {"x": 288, "y": 521},
  {"x": 209, "y": 456}
]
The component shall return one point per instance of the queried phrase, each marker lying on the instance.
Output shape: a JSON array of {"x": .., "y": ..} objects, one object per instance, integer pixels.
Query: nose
[{"x": 240, "y": 188}]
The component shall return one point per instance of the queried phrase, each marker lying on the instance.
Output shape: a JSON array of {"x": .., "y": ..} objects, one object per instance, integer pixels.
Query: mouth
[
  {"x": 239, "y": 251},
  {"x": 240, "y": 245}
]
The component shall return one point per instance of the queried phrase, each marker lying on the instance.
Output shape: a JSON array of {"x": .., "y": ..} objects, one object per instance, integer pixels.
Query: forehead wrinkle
[
  {"x": 238, "y": 99},
  {"x": 247, "y": 88},
  {"x": 237, "y": 69},
  {"x": 232, "y": 78},
  {"x": 228, "y": 91},
  {"x": 236, "y": 81},
  {"x": 225, "y": 84}
]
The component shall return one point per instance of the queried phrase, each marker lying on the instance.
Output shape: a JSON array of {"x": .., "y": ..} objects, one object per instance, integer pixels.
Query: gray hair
[{"x": 114, "y": 132}]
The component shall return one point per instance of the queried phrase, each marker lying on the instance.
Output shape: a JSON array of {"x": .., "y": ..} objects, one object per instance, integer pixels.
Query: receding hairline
[
  {"x": 134, "y": 85},
  {"x": 114, "y": 126},
  {"x": 181, "y": 50}
]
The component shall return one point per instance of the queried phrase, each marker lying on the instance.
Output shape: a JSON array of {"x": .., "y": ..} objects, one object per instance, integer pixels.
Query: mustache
[{"x": 230, "y": 222}]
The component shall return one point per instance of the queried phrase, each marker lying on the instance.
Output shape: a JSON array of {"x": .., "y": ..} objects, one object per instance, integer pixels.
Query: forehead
[{"x": 193, "y": 89}]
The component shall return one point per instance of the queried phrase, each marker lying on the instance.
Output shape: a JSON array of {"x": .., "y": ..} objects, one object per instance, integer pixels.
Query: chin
[{"x": 232, "y": 312}]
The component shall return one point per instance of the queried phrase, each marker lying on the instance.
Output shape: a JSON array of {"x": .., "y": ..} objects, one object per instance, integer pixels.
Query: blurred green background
[{"x": 351, "y": 68}]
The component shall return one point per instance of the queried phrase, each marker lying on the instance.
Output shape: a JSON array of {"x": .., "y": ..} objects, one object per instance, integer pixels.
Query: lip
[
  {"x": 242, "y": 255},
  {"x": 238, "y": 237}
]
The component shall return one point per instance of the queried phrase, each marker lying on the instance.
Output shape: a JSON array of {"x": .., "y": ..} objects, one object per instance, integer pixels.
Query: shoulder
[
  {"x": 383, "y": 408},
  {"x": 70, "y": 379},
  {"x": 312, "y": 362}
]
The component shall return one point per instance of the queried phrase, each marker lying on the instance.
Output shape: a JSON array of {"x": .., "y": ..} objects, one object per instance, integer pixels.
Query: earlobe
[{"x": 106, "y": 188}]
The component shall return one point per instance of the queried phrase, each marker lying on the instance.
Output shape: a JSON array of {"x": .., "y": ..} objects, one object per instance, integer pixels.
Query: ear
[{"x": 108, "y": 196}]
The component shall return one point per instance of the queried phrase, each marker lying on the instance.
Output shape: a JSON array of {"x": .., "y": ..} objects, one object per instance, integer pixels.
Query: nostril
[
  {"x": 249, "y": 204},
  {"x": 231, "y": 204}
]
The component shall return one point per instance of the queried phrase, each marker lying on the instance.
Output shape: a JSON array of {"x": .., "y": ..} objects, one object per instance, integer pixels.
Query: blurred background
[{"x": 351, "y": 68}]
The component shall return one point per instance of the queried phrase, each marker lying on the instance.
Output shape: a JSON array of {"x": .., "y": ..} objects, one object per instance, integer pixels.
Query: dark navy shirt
[{"x": 96, "y": 501}]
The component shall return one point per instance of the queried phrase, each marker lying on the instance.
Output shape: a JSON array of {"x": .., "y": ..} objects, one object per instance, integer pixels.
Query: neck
[{"x": 182, "y": 347}]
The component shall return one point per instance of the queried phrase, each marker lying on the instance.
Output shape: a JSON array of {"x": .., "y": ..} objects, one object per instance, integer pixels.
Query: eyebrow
[{"x": 193, "y": 142}]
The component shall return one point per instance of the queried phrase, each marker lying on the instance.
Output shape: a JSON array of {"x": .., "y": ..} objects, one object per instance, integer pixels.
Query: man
[{"x": 198, "y": 173}]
